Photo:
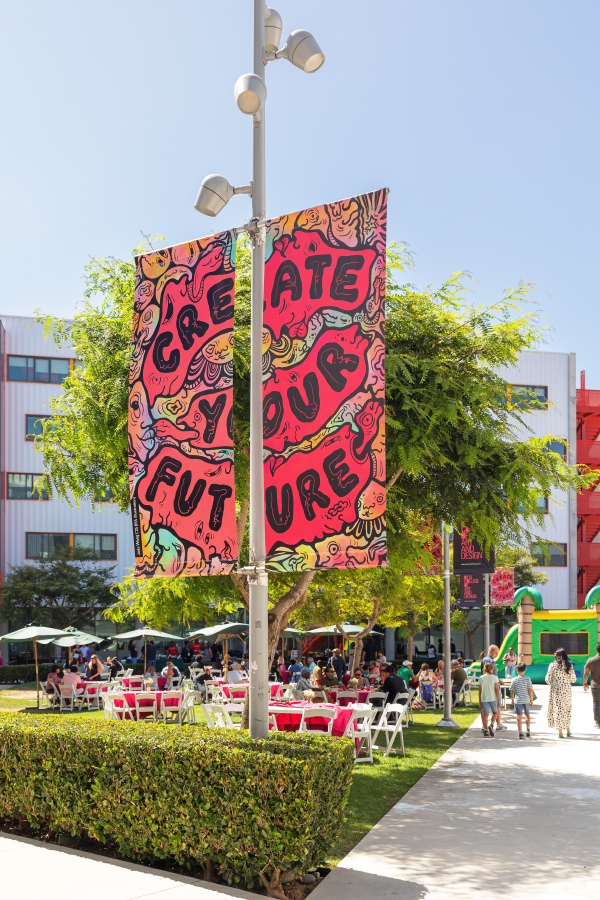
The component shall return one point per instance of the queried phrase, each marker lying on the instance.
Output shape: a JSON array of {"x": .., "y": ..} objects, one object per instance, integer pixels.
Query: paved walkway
[{"x": 494, "y": 818}]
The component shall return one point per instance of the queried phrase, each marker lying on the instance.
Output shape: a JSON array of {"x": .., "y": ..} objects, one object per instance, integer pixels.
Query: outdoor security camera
[
  {"x": 302, "y": 51},
  {"x": 250, "y": 93}
]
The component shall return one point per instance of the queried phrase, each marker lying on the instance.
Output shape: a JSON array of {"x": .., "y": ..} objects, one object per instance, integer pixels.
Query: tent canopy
[
  {"x": 332, "y": 630},
  {"x": 296, "y": 632},
  {"x": 73, "y": 637},
  {"x": 226, "y": 629},
  {"x": 145, "y": 633}
]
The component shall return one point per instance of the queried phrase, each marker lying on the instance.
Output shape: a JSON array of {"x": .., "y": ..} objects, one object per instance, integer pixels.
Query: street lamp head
[
  {"x": 250, "y": 93},
  {"x": 214, "y": 194},
  {"x": 273, "y": 26},
  {"x": 302, "y": 51}
]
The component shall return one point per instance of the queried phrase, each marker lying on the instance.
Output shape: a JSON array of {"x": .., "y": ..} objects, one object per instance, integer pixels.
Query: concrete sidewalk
[{"x": 494, "y": 817}]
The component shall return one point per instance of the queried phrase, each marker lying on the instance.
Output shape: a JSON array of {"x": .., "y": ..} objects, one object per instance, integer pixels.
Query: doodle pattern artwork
[
  {"x": 324, "y": 388},
  {"x": 180, "y": 410}
]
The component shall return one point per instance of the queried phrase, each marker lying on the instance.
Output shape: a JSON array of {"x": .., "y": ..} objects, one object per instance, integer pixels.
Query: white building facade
[
  {"x": 550, "y": 378},
  {"x": 32, "y": 372}
]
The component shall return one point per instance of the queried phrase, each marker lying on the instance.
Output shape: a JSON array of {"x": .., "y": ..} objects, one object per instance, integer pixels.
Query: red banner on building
[
  {"x": 324, "y": 389},
  {"x": 180, "y": 410},
  {"x": 502, "y": 587}
]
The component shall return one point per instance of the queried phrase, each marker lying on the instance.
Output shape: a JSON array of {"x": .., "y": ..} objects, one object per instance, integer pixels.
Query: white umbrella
[
  {"x": 146, "y": 633},
  {"x": 33, "y": 632}
]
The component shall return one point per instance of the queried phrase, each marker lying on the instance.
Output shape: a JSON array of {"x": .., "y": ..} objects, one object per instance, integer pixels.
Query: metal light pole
[
  {"x": 447, "y": 721},
  {"x": 302, "y": 50},
  {"x": 486, "y": 607}
]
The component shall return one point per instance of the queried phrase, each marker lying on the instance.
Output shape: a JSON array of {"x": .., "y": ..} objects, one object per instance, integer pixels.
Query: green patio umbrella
[
  {"x": 73, "y": 638},
  {"x": 33, "y": 632},
  {"x": 146, "y": 633},
  {"x": 224, "y": 631}
]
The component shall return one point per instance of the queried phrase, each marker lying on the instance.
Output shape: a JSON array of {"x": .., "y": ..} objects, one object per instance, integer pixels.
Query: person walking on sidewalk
[
  {"x": 489, "y": 698},
  {"x": 492, "y": 656},
  {"x": 593, "y": 666},
  {"x": 560, "y": 676},
  {"x": 521, "y": 694}
]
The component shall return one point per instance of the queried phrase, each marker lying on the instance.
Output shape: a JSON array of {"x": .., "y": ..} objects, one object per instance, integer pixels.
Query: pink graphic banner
[
  {"x": 502, "y": 587},
  {"x": 180, "y": 410},
  {"x": 324, "y": 387}
]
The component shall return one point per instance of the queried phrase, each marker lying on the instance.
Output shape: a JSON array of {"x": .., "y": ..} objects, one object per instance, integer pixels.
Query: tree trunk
[
  {"x": 410, "y": 645},
  {"x": 471, "y": 642}
]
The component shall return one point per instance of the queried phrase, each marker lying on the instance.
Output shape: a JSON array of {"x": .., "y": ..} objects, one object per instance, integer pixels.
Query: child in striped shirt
[{"x": 521, "y": 693}]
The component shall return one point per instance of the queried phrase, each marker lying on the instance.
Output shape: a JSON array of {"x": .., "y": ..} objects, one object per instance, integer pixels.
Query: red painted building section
[{"x": 588, "y": 502}]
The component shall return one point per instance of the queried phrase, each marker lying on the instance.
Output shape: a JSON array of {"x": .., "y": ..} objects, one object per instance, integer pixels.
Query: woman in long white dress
[{"x": 560, "y": 676}]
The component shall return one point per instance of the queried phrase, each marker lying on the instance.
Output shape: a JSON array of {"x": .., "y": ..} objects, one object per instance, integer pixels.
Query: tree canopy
[
  {"x": 455, "y": 447},
  {"x": 67, "y": 588}
]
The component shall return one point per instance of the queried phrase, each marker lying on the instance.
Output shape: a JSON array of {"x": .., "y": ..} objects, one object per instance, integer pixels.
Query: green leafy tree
[
  {"x": 68, "y": 588},
  {"x": 454, "y": 452}
]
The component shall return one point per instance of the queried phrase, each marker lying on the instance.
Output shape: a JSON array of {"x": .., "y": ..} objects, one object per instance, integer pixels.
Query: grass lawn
[{"x": 376, "y": 788}]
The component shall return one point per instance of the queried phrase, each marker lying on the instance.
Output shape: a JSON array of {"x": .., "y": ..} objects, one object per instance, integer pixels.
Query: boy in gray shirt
[{"x": 521, "y": 693}]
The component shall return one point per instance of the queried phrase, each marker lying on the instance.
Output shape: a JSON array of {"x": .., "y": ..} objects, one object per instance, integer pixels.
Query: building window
[
  {"x": 542, "y": 504},
  {"x": 576, "y": 643},
  {"x": 557, "y": 555},
  {"x": 39, "y": 368},
  {"x": 34, "y": 427},
  {"x": 104, "y": 546},
  {"x": 527, "y": 396},
  {"x": 20, "y": 487},
  {"x": 41, "y": 546},
  {"x": 559, "y": 447}
]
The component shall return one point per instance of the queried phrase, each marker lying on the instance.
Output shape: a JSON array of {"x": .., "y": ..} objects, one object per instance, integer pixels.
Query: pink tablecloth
[
  {"x": 234, "y": 691},
  {"x": 130, "y": 698},
  {"x": 161, "y": 682},
  {"x": 291, "y": 715},
  {"x": 362, "y": 696}
]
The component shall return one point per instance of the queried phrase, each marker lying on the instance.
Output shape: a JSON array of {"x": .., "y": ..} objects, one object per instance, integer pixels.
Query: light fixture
[
  {"x": 215, "y": 193},
  {"x": 273, "y": 26},
  {"x": 250, "y": 93},
  {"x": 302, "y": 50}
]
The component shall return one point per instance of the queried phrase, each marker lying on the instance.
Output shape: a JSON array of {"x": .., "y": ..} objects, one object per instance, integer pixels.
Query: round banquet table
[
  {"x": 130, "y": 698},
  {"x": 161, "y": 682},
  {"x": 363, "y": 696},
  {"x": 291, "y": 715}
]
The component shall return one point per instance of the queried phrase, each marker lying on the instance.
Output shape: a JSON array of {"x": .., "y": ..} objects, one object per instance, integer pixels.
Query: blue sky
[{"x": 481, "y": 118}]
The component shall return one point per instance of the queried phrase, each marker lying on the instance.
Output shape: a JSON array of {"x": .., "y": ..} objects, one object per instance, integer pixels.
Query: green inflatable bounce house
[{"x": 540, "y": 632}]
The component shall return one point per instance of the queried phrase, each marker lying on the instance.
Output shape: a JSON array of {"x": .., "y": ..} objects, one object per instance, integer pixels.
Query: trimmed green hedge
[
  {"x": 16, "y": 674},
  {"x": 195, "y": 796}
]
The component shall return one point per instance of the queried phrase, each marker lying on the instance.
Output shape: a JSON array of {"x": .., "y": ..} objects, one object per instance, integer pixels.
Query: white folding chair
[
  {"x": 221, "y": 715},
  {"x": 172, "y": 712},
  {"x": 278, "y": 695},
  {"x": 465, "y": 689},
  {"x": 237, "y": 693},
  {"x": 126, "y": 673},
  {"x": 404, "y": 698},
  {"x": 390, "y": 724},
  {"x": 188, "y": 707},
  {"x": 351, "y": 696},
  {"x": 145, "y": 705},
  {"x": 121, "y": 710},
  {"x": 273, "y": 723},
  {"x": 210, "y": 717},
  {"x": 49, "y": 698},
  {"x": 378, "y": 699},
  {"x": 90, "y": 698},
  {"x": 309, "y": 713},
  {"x": 320, "y": 695},
  {"x": 290, "y": 692},
  {"x": 136, "y": 683},
  {"x": 359, "y": 730},
  {"x": 68, "y": 698}
]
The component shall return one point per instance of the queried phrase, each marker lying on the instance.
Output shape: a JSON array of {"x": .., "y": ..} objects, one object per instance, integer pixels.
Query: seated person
[
  {"x": 151, "y": 675},
  {"x": 330, "y": 680},
  {"x": 71, "y": 678},
  {"x": 439, "y": 672},
  {"x": 114, "y": 666},
  {"x": 295, "y": 670},
  {"x": 304, "y": 680},
  {"x": 53, "y": 679},
  {"x": 198, "y": 663},
  {"x": 373, "y": 674},
  {"x": 406, "y": 671},
  {"x": 170, "y": 672},
  {"x": 316, "y": 674},
  {"x": 282, "y": 672},
  {"x": 233, "y": 676},
  {"x": 94, "y": 669},
  {"x": 425, "y": 675},
  {"x": 236, "y": 666},
  {"x": 362, "y": 683},
  {"x": 391, "y": 683},
  {"x": 458, "y": 676}
]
